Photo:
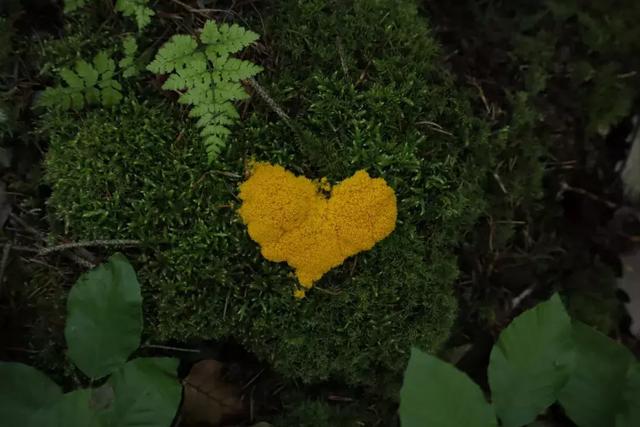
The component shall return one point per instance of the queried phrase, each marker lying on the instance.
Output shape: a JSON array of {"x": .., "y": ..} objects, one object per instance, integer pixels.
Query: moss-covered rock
[{"x": 364, "y": 88}]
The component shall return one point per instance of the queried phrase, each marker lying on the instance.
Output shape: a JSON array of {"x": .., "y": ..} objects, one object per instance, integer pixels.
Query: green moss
[
  {"x": 318, "y": 413},
  {"x": 364, "y": 87}
]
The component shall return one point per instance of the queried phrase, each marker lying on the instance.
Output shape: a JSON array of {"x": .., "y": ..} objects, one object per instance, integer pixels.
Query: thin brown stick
[
  {"x": 252, "y": 380},
  {"x": 74, "y": 245},
  {"x": 24, "y": 249},
  {"x": 566, "y": 187},
  {"x": 265, "y": 96},
  {"x": 171, "y": 348},
  {"x": 80, "y": 261}
]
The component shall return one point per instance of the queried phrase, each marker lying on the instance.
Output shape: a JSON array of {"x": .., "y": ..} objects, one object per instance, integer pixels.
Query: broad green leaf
[
  {"x": 71, "y": 410},
  {"x": 147, "y": 393},
  {"x": 629, "y": 416},
  {"x": 592, "y": 397},
  {"x": 23, "y": 391},
  {"x": 436, "y": 394},
  {"x": 531, "y": 362},
  {"x": 102, "y": 397},
  {"x": 104, "y": 320}
]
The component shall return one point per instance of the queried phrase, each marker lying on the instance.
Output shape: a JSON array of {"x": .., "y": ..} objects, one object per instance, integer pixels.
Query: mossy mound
[{"x": 364, "y": 88}]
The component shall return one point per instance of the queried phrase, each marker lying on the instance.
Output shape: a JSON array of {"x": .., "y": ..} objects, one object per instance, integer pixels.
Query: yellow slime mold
[{"x": 293, "y": 221}]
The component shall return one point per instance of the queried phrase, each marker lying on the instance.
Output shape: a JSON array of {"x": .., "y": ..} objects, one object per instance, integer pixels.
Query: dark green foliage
[
  {"x": 433, "y": 392},
  {"x": 103, "y": 329},
  {"x": 83, "y": 39},
  {"x": 591, "y": 376},
  {"x": 136, "y": 9},
  {"x": 85, "y": 84},
  {"x": 591, "y": 297},
  {"x": 364, "y": 87},
  {"x": 301, "y": 410},
  {"x": 312, "y": 413},
  {"x": 315, "y": 413},
  {"x": 6, "y": 32},
  {"x": 590, "y": 47}
]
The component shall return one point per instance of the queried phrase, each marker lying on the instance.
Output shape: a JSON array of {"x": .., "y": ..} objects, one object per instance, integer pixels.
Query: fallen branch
[
  {"x": 171, "y": 348},
  {"x": 41, "y": 237},
  {"x": 74, "y": 245},
  {"x": 265, "y": 96}
]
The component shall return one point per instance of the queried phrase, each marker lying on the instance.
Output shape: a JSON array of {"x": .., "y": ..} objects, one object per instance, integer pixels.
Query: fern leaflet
[{"x": 136, "y": 9}]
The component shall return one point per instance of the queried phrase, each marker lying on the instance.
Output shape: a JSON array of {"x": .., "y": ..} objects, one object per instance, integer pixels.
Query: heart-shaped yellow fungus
[{"x": 293, "y": 221}]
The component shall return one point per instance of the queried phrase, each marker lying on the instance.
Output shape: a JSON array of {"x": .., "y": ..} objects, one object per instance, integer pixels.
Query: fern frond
[
  {"x": 87, "y": 84},
  {"x": 104, "y": 65},
  {"x": 136, "y": 9},
  {"x": 128, "y": 63},
  {"x": 207, "y": 78}
]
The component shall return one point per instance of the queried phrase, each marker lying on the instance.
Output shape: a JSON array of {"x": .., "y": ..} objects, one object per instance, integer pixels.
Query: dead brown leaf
[{"x": 208, "y": 399}]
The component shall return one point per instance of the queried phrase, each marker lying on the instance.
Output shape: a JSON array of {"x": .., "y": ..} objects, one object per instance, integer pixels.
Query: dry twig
[
  {"x": 265, "y": 96},
  {"x": 75, "y": 245}
]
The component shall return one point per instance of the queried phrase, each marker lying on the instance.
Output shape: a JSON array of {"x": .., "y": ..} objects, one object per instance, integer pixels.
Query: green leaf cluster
[
  {"x": 136, "y": 9},
  {"x": 540, "y": 358},
  {"x": 73, "y": 5},
  {"x": 86, "y": 84},
  {"x": 208, "y": 78},
  {"x": 594, "y": 55},
  {"x": 103, "y": 328},
  {"x": 129, "y": 63}
]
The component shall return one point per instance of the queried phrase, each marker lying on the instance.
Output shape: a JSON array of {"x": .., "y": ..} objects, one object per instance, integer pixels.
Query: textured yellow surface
[{"x": 293, "y": 221}]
